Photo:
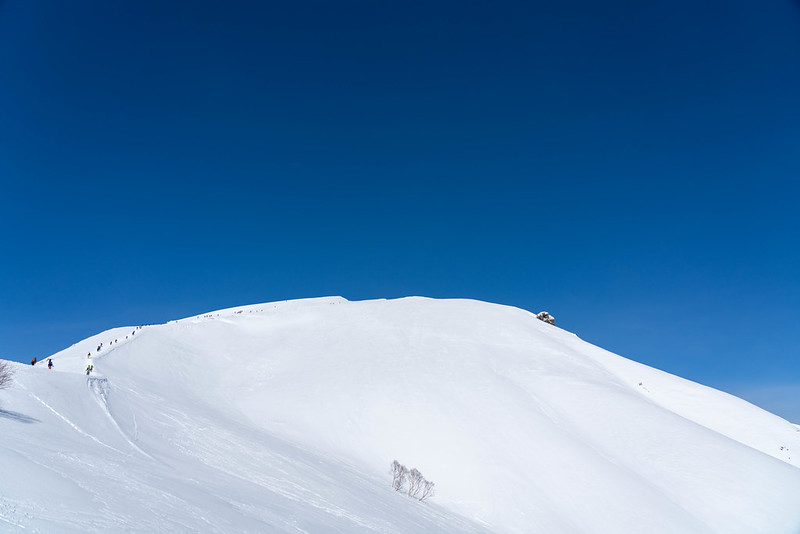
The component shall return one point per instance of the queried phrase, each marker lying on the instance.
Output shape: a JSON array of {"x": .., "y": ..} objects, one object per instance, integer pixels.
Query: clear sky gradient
[{"x": 631, "y": 167}]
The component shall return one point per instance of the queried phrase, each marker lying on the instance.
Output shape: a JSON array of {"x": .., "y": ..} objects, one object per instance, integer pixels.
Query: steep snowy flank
[{"x": 284, "y": 417}]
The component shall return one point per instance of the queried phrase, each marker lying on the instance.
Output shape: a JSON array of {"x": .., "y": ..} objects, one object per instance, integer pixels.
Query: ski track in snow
[
  {"x": 99, "y": 387},
  {"x": 8, "y": 519},
  {"x": 71, "y": 424}
]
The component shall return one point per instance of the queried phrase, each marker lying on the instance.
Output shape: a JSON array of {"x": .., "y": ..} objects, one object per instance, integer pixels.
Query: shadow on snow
[{"x": 16, "y": 416}]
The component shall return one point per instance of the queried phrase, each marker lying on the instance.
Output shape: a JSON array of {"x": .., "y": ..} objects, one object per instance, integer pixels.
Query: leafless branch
[
  {"x": 427, "y": 490},
  {"x": 6, "y": 374},
  {"x": 399, "y": 475}
]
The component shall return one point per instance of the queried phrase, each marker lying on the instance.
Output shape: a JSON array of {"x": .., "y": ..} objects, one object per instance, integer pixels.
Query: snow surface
[{"x": 284, "y": 417}]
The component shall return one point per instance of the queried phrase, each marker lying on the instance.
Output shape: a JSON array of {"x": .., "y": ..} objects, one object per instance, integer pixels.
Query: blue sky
[{"x": 632, "y": 167}]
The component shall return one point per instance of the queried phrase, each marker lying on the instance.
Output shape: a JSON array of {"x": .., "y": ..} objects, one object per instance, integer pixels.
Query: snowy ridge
[{"x": 284, "y": 417}]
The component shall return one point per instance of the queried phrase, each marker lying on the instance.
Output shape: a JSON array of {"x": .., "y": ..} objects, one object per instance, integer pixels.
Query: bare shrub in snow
[
  {"x": 427, "y": 490},
  {"x": 412, "y": 481},
  {"x": 415, "y": 479},
  {"x": 6, "y": 373},
  {"x": 546, "y": 317},
  {"x": 399, "y": 475}
]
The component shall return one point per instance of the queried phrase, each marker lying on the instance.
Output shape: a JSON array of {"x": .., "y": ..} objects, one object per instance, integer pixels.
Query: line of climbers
[
  {"x": 90, "y": 367},
  {"x": 100, "y": 346}
]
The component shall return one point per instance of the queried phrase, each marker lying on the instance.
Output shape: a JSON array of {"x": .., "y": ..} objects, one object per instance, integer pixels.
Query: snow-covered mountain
[{"x": 285, "y": 417}]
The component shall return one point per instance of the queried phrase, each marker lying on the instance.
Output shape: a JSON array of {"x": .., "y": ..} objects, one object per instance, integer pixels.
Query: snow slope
[{"x": 284, "y": 417}]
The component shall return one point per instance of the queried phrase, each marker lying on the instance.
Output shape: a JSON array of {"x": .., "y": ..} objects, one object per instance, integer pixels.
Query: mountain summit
[{"x": 286, "y": 416}]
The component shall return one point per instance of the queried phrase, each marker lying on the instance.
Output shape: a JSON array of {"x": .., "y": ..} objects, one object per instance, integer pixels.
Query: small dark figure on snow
[
  {"x": 49, "y": 363},
  {"x": 89, "y": 369},
  {"x": 33, "y": 361}
]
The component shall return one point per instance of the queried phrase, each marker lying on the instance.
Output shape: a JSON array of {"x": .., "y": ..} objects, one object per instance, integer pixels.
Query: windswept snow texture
[{"x": 284, "y": 417}]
